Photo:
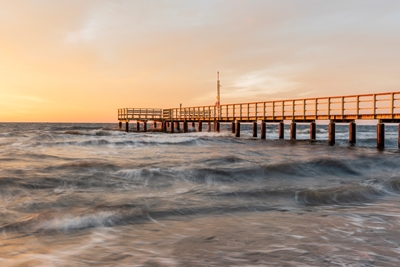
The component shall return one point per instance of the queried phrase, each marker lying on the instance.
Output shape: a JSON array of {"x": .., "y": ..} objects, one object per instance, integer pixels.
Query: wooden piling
[
  {"x": 293, "y": 131},
  {"x": 313, "y": 131},
  {"x": 237, "y": 129},
  {"x": 154, "y": 125},
  {"x": 145, "y": 126},
  {"x": 185, "y": 127},
  {"x": 199, "y": 126},
  {"x": 127, "y": 127},
  {"x": 281, "y": 130},
  {"x": 331, "y": 133},
  {"x": 255, "y": 129},
  {"x": 164, "y": 126},
  {"x": 120, "y": 125},
  {"x": 263, "y": 127},
  {"x": 137, "y": 126},
  {"x": 193, "y": 124},
  {"x": 352, "y": 132},
  {"x": 233, "y": 127},
  {"x": 216, "y": 126},
  {"x": 177, "y": 126},
  {"x": 380, "y": 138},
  {"x": 398, "y": 140},
  {"x": 172, "y": 127},
  {"x": 209, "y": 126}
]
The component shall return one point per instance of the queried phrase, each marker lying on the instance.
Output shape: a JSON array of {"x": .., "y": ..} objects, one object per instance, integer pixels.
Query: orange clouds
[{"x": 80, "y": 61}]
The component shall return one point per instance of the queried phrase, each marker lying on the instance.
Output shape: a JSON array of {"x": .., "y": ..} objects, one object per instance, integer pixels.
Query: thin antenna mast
[{"x": 218, "y": 103}]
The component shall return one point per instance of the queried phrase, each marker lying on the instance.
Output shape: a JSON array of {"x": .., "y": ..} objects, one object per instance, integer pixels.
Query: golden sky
[{"x": 79, "y": 61}]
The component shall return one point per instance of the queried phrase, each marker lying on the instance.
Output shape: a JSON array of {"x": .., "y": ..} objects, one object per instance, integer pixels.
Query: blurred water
[{"x": 90, "y": 195}]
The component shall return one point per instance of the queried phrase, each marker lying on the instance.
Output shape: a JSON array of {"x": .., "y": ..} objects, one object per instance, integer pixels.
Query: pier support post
[
  {"x": 199, "y": 126},
  {"x": 263, "y": 127},
  {"x": 172, "y": 127},
  {"x": 255, "y": 129},
  {"x": 119, "y": 125},
  {"x": 313, "y": 131},
  {"x": 233, "y": 127},
  {"x": 209, "y": 126},
  {"x": 293, "y": 131},
  {"x": 145, "y": 126},
  {"x": 127, "y": 126},
  {"x": 185, "y": 127},
  {"x": 216, "y": 126},
  {"x": 331, "y": 133},
  {"x": 137, "y": 126},
  {"x": 398, "y": 142},
  {"x": 177, "y": 126},
  {"x": 193, "y": 124},
  {"x": 281, "y": 130},
  {"x": 380, "y": 132},
  {"x": 237, "y": 129},
  {"x": 164, "y": 126},
  {"x": 352, "y": 132},
  {"x": 154, "y": 125}
]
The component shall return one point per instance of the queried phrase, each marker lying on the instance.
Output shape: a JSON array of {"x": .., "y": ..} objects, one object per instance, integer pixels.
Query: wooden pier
[{"x": 384, "y": 107}]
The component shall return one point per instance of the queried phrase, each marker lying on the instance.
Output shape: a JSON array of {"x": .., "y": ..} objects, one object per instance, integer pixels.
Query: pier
[{"x": 384, "y": 107}]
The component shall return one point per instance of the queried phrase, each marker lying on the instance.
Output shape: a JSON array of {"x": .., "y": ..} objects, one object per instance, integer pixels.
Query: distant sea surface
[{"x": 90, "y": 195}]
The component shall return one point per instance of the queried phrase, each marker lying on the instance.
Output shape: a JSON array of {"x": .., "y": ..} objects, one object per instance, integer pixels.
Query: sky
[{"x": 79, "y": 61}]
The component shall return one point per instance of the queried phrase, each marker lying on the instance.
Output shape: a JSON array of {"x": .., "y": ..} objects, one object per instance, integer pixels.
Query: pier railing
[
  {"x": 351, "y": 107},
  {"x": 383, "y": 106},
  {"x": 126, "y": 114}
]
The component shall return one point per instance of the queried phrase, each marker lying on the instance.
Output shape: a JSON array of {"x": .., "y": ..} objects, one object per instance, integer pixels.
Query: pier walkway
[{"x": 384, "y": 107}]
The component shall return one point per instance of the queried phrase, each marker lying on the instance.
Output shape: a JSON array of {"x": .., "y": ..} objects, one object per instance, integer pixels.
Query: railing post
[
  {"x": 357, "y": 105},
  {"x": 329, "y": 107},
  {"x": 342, "y": 107},
  {"x": 392, "y": 105},
  {"x": 374, "y": 105},
  {"x": 293, "y": 108},
  {"x": 264, "y": 111},
  {"x": 273, "y": 110},
  {"x": 316, "y": 108},
  {"x": 248, "y": 111}
]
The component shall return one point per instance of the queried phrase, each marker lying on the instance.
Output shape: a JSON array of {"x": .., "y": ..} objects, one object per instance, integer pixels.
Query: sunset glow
[{"x": 79, "y": 61}]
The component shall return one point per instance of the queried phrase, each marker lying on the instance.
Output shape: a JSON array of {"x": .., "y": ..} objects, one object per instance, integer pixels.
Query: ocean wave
[
  {"x": 85, "y": 164},
  {"x": 345, "y": 194},
  {"x": 49, "y": 221}
]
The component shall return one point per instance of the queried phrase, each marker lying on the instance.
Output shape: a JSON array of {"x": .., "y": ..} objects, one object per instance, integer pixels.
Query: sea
[{"x": 75, "y": 194}]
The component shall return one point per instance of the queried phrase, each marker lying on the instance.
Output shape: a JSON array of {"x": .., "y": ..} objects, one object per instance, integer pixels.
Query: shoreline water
[{"x": 88, "y": 194}]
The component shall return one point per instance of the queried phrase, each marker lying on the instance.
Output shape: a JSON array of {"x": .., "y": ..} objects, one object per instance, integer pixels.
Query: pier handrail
[
  {"x": 350, "y": 107},
  {"x": 127, "y": 114}
]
